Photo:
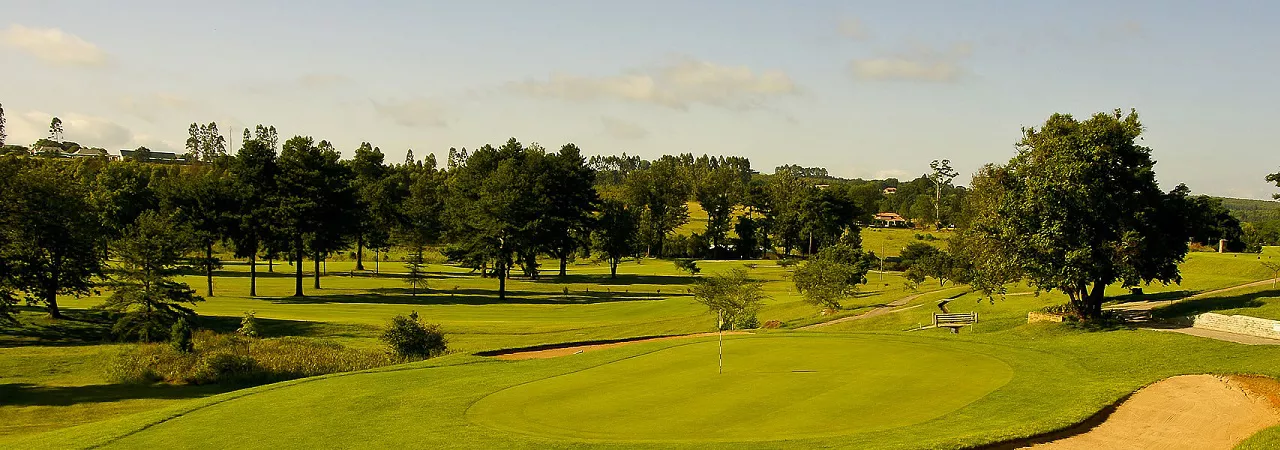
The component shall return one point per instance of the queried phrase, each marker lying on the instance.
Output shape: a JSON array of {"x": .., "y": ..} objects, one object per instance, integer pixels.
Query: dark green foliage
[
  {"x": 615, "y": 233},
  {"x": 149, "y": 298},
  {"x": 832, "y": 275},
  {"x": 205, "y": 143},
  {"x": 1076, "y": 210},
  {"x": 688, "y": 265},
  {"x": 204, "y": 200},
  {"x": 750, "y": 237},
  {"x": 657, "y": 195},
  {"x": 253, "y": 186},
  {"x": 1208, "y": 221},
  {"x": 51, "y": 238},
  {"x": 408, "y": 337},
  {"x": 314, "y": 203},
  {"x": 180, "y": 337},
  {"x": 733, "y": 297},
  {"x": 569, "y": 199},
  {"x": 720, "y": 185}
]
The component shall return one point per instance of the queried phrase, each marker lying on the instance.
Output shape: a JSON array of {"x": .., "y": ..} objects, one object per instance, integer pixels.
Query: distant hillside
[{"x": 1249, "y": 210}]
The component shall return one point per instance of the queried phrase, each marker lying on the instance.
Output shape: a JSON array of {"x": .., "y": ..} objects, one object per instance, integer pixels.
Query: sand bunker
[
  {"x": 565, "y": 351},
  {"x": 1185, "y": 412}
]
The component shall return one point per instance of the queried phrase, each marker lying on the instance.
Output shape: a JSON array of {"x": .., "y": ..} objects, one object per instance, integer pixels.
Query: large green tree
[
  {"x": 205, "y": 143},
  {"x": 568, "y": 200},
  {"x": 1078, "y": 209},
  {"x": 719, "y": 188},
  {"x": 148, "y": 297},
  {"x": 203, "y": 200},
  {"x": 493, "y": 212},
  {"x": 253, "y": 182},
  {"x": 312, "y": 196},
  {"x": 376, "y": 205},
  {"x": 659, "y": 193},
  {"x": 418, "y": 221},
  {"x": 51, "y": 235},
  {"x": 615, "y": 233}
]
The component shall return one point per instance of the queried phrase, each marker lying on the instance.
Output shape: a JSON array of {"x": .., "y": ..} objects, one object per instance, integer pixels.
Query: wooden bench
[{"x": 954, "y": 320}]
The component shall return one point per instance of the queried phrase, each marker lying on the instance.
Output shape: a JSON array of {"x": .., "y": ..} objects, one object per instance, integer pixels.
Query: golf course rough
[{"x": 772, "y": 388}]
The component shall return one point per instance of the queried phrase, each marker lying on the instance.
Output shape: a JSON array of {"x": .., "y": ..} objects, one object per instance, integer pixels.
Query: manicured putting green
[{"x": 772, "y": 388}]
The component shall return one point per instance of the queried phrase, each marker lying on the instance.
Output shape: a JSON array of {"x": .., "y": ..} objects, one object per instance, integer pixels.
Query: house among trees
[
  {"x": 890, "y": 191},
  {"x": 890, "y": 219},
  {"x": 144, "y": 155},
  {"x": 84, "y": 152}
]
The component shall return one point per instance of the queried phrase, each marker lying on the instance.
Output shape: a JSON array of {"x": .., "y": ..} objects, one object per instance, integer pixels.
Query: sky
[{"x": 868, "y": 89}]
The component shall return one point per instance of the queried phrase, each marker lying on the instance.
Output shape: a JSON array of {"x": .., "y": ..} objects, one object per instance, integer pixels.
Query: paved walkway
[{"x": 879, "y": 311}]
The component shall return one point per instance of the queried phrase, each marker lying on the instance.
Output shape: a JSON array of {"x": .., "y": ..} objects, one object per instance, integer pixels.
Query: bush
[
  {"x": 248, "y": 325},
  {"x": 786, "y": 262},
  {"x": 180, "y": 337},
  {"x": 232, "y": 358},
  {"x": 408, "y": 337}
]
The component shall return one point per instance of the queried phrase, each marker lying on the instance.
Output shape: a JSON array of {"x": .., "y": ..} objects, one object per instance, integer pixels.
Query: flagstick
[{"x": 720, "y": 331}]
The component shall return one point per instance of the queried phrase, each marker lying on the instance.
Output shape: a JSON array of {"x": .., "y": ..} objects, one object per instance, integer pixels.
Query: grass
[{"x": 52, "y": 377}]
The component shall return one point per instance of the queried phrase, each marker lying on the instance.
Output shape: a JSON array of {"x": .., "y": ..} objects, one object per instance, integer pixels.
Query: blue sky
[{"x": 866, "y": 89}]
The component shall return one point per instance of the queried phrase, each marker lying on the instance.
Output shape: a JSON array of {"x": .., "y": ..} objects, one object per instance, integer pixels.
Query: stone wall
[{"x": 1246, "y": 325}]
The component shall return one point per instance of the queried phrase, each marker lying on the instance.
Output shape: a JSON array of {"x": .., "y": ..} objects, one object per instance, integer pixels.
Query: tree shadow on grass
[
  {"x": 623, "y": 279},
  {"x": 404, "y": 296},
  {"x": 27, "y": 394},
  {"x": 269, "y": 328},
  {"x": 1211, "y": 304},
  {"x": 1156, "y": 297},
  {"x": 77, "y": 327}
]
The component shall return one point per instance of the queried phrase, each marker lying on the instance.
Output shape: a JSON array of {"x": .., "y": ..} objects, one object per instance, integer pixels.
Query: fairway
[{"x": 772, "y": 388}]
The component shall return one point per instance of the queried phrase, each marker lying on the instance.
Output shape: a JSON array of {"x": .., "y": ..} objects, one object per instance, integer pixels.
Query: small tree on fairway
[
  {"x": 832, "y": 275},
  {"x": 408, "y": 337},
  {"x": 248, "y": 325},
  {"x": 416, "y": 275},
  {"x": 732, "y": 296},
  {"x": 688, "y": 265},
  {"x": 152, "y": 302}
]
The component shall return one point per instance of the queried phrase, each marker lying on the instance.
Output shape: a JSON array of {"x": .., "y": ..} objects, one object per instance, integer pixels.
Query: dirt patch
[
  {"x": 1185, "y": 412},
  {"x": 575, "y": 349}
]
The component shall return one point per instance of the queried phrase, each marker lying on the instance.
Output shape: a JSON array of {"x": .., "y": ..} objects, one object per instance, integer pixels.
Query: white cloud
[
  {"x": 150, "y": 106},
  {"x": 922, "y": 64},
  {"x": 322, "y": 80},
  {"x": 53, "y": 46},
  {"x": 86, "y": 130},
  {"x": 418, "y": 112},
  {"x": 677, "y": 84},
  {"x": 622, "y": 129},
  {"x": 852, "y": 28}
]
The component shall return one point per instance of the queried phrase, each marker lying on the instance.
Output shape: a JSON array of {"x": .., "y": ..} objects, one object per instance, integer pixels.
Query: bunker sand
[{"x": 1185, "y": 412}]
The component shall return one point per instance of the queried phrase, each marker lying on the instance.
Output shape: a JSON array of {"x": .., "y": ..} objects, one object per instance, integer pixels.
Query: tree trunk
[
  {"x": 613, "y": 267},
  {"x": 377, "y": 261},
  {"x": 1096, "y": 297},
  {"x": 316, "y": 261},
  {"x": 51, "y": 299},
  {"x": 297, "y": 279},
  {"x": 271, "y": 265},
  {"x": 253, "y": 275},
  {"x": 208, "y": 268},
  {"x": 564, "y": 261},
  {"x": 502, "y": 281},
  {"x": 360, "y": 253}
]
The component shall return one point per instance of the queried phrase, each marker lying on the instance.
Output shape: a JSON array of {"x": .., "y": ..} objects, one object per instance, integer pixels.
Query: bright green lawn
[{"x": 46, "y": 387}]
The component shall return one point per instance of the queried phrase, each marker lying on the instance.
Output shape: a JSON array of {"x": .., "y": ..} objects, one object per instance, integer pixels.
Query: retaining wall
[{"x": 1251, "y": 326}]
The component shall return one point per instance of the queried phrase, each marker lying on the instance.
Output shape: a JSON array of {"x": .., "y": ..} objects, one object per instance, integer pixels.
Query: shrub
[
  {"x": 248, "y": 325},
  {"x": 180, "y": 337},
  {"x": 786, "y": 262},
  {"x": 408, "y": 337},
  {"x": 232, "y": 358}
]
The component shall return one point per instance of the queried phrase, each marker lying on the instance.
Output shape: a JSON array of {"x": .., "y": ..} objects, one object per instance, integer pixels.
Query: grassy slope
[
  {"x": 351, "y": 308},
  {"x": 1060, "y": 376}
]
